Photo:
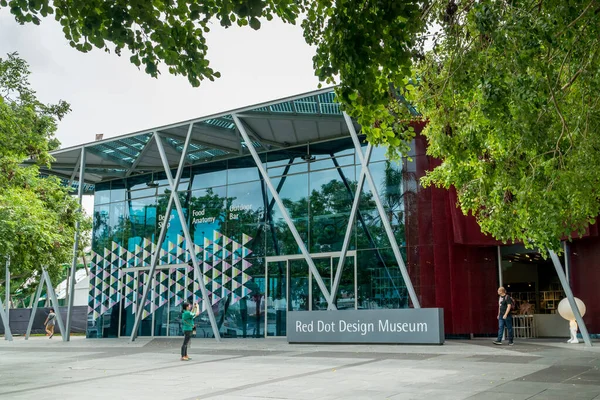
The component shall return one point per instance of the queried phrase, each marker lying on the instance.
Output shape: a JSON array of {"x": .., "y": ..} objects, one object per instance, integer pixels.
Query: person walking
[
  {"x": 505, "y": 305},
  {"x": 187, "y": 322},
  {"x": 49, "y": 323}
]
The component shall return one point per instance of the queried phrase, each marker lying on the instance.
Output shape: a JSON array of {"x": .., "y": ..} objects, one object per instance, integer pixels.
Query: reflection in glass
[
  {"x": 380, "y": 284},
  {"x": 207, "y": 213},
  {"x": 319, "y": 301},
  {"x": 277, "y": 298},
  {"x": 102, "y": 193},
  {"x": 330, "y": 204},
  {"x": 143, "y": 222},
  {"x": 294, "y": 194},
  {"x": 298, "y": 286},
  {"x": 346, "y": 294},
  {"x": 246, "y": 214}
]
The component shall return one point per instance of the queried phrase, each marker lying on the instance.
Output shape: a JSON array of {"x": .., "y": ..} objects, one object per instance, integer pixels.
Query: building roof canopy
[{"x": 279, "y": 124}]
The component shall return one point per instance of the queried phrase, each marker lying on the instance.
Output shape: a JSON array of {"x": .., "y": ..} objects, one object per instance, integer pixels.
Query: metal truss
[
  {"x": 174, "y": 199},
  {"x": 45, "y": 278},
  {"x": 386, "y": 223},
  {"x": 311, "y": 265},
  {"x": 71, "y": 281},
  {"x": 5, "y": 314}
]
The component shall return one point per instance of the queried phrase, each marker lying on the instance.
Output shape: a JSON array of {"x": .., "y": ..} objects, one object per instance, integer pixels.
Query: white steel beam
[
  {"x": 34, "y": 307},
  {"x": 71, "y": 280},
  {"x": 155, "y": 256},
  {"x": 384, "y": 219},
  {"x": 54, "y": 300},
  {"x": 282, "y": 209},
  {"x": 353, "y": 211},
  {"x": 186, "y": 233},
  {"x": 569, "y": 293}
]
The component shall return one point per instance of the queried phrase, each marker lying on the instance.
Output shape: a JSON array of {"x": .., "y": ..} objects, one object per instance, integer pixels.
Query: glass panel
[
  {"x": 101, "y": 236},
  {"x": 138, "y": 194},
  {"x": 244, "y": 317},
  {"x": 277, "y": 298},
  {"x": 139, "y": 181},
  {"x": 245, "y": 215},
  {"x": 380, "y": 284},
  {"x": 209, "y": 175},
  {"x": 346, "y": 295},
  {"x": 242, "y": 170},
  {"x": 208, "y": 213},
  {"x": 143, "y": 222},
  {"x": 319, "y": 301},
  {"x": 174, "y": 224},
  {"x": 118, "y": 190},
  {"x": 337, "y": 148},
  {"x": 119, "y": 223},
  {"x": 102, "y": 193},
  {"x": 293, "y": 193},
  {"x": 388, "y": 178},
  {"x": 330, "y": 205},
  {"x": 298, "y": 286}
]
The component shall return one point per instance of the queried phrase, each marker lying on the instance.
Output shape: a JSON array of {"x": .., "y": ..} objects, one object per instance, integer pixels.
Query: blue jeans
[{"x": 508, "y": 323}]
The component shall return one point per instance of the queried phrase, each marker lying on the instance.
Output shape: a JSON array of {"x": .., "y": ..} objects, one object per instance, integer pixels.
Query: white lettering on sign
[
  {"x": 325, "y": 326},
  {"x": 387, "y": 326},
  {"x": 300, "y": 327},
  {"x": 240, "y": 207},
  {"x": 161, "y": 220},
  {"x": 354, "y": 327},
  {"x": 199, "y": 217}
]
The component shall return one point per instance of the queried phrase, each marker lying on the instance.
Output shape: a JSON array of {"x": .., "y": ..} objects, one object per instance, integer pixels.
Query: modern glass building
[{"x": 274, "y": 213}]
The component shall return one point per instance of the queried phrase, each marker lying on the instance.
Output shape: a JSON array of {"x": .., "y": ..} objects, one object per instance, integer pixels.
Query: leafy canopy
[
  {"x": 511, "y": 91},
  {"x": 509, "y": 87},
  {"x": 37, "y": 215}
]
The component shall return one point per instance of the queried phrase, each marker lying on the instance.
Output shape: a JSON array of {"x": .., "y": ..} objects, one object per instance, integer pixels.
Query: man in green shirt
[{"x": 187, "y": 322}]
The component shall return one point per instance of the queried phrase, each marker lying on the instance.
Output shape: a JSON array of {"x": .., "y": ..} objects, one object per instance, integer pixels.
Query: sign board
[{"x": 398, "y": 326}]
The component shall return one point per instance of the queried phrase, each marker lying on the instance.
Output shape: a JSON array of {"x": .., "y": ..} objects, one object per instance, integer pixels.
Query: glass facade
[{"x": 242, "y": 241}]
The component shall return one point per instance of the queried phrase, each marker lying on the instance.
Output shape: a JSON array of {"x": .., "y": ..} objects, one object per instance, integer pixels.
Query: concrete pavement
[{"x": 254, "y": 369}]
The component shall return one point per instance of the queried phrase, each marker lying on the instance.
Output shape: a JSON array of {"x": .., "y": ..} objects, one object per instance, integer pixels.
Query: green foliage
[
  {"x": 511, "y": 91},
  {"x": 37, "y": 215},
  {"x": 154, "y": 32},
  {"x": 368, "y": 46},
  {"x": 509, "y": 88}
]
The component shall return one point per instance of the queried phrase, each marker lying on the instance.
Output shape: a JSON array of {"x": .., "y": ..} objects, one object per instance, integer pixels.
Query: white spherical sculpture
[{"x": 565, "y": 311}]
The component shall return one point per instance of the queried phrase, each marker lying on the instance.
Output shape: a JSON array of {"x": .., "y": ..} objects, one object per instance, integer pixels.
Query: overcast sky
[{"x": 109, "y": 95}]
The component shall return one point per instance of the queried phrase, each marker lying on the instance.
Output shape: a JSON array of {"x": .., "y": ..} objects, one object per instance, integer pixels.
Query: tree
[
  {"x": 511, "y": 91},
  {"x": 508, "y": 87},
  {"x": 37, "y": 215}
]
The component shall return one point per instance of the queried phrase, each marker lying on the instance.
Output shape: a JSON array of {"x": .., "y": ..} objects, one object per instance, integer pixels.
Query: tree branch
[{"x": 576, "y": 19}]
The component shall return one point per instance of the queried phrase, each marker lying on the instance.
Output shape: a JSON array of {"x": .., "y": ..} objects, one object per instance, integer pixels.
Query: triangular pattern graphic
[{"x": 223, "y": 260}]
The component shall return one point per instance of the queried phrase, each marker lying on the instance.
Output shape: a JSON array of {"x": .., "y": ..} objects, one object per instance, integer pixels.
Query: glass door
[
  {"x": 291, "y": 286},
  {"x": 276, "y": 298}
]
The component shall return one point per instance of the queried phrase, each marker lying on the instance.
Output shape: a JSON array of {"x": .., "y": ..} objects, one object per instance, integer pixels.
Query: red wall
[
  {"x": 459, "y": 276},
  {"x": 585, "y": 277},
  {"x": 454, "y": 266}
]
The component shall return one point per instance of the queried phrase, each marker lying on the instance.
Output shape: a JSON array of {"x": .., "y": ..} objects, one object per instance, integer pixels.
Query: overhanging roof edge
[{"x": 195, "y": 120}]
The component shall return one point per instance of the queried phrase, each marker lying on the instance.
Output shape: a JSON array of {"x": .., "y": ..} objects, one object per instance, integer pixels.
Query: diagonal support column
[
  {"x": 286, "y": 217},
  {"x": 384, "y": 219},
  {"x": 569, "y": 293},
  {"x": 5, "y": 322},
  {"x": 353, "y": 211},
  {"x": 7, "y": 288},
  {"x": 186, "y": 233},
  {"x": 53, "y": 298},
  {"x": 141, "y": 303},
  {"x": 71, "y": 280},
  {"x": 38, "y": 293}
]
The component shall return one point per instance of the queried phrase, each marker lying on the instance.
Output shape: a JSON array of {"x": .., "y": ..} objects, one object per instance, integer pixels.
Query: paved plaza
[{"x": 271, "y": 369}]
